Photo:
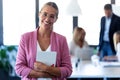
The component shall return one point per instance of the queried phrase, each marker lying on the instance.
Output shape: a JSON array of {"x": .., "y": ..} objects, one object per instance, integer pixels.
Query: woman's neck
[
  {"x": 44, "y": 33},
  {"x": 80, "y": 44}
]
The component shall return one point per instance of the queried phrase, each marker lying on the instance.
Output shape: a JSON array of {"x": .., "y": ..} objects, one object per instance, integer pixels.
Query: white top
[
  {"x": 73, "y": 47},
  {"x": 118, "y": 51},
  {"x": 107, "y": 27},
  {"x": 83, "y": 53},
  {"x": 40, "y": 50}
]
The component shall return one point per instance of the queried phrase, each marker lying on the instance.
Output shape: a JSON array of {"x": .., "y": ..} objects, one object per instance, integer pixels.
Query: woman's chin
[{"x": 47, "y": 27}]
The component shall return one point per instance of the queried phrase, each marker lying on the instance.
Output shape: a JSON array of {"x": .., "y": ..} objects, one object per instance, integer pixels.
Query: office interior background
[{"x": 20, "y": 16}]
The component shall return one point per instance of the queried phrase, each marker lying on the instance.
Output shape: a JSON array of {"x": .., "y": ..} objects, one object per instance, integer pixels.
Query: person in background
[
  {"x": 117, "y": 44},
  {"x": 110, "y": 23},
  {"x": 116, "y": 39},
  {"x": 78, "y": 42},
  {"x": 47, "y": 40}
]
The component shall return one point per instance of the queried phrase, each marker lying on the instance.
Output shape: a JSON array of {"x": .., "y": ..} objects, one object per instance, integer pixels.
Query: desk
[{"x": 86, "y": 69}]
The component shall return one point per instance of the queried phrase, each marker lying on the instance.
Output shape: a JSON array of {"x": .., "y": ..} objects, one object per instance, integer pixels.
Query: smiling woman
[
  {"x": 44, "y": 39},
  {"x": 48, "y": 16},
  {"x": 63, "y": 25}
]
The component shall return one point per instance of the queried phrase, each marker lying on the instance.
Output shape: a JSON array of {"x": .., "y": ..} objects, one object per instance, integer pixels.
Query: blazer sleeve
[
  {"x": 102, "y": 23},
  {"x": 21, "y": 67},
  {"x": 66, "y": 67}
]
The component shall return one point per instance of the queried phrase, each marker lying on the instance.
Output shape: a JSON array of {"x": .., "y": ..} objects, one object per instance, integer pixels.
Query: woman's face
[
  {"x": 47, "y": 17},
  {"x": 82, "y": 35}
]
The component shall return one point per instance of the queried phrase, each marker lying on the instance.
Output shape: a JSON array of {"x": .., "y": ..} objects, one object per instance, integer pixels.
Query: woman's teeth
[{"x": 46, "y": 23}]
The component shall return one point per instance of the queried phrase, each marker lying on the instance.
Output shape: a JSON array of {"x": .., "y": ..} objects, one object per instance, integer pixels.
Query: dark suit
[{"x": 114, "y": 26}]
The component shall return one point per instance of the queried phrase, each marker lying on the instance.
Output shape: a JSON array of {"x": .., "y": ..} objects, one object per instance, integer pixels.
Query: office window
[
  {"x": 18, "y": 18},
  {"x": 64, "y": 23},
  {"x": 116, "y": 7},
  {"x": 92, "y": 11},
  {"x": 117, "y": 2}
]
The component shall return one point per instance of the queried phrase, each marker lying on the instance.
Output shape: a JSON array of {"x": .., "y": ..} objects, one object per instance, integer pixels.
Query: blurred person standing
[{"x": 110, "y": 23}]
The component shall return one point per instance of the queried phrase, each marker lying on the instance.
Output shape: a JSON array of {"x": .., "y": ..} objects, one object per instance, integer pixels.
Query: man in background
[{"x": 110, "y": 23}]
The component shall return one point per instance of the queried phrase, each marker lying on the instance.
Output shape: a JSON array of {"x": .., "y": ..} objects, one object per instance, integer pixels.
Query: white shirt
[
  {"x": 74, "y": 48},
  {"x": 107, "y": 27},
  {"x": 40, "y": 50},
  {"x": 118, "y": 51}
]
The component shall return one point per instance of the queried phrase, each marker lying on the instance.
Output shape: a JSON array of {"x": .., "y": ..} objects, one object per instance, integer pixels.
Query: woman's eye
[
  {"x": 44, "y": 14},
  {"x": 52, "y": 16}
]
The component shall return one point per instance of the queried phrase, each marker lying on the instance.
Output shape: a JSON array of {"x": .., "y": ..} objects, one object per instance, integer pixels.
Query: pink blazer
[{"x": 27, "y": 55}]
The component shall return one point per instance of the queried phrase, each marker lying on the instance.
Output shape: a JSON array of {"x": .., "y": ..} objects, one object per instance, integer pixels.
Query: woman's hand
[
  {"x": 39, "y": 66},
  {"x": 110, "y": 58},
  {"x": 40, "y": 71},
  {"x": 39, "y": 74}
]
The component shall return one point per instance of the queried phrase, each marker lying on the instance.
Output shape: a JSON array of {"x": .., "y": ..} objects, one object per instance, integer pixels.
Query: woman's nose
[{"x": 47, "y": 18}]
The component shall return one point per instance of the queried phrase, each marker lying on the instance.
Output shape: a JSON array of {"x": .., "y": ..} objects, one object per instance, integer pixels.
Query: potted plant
[{"x": 5, "y": 66}]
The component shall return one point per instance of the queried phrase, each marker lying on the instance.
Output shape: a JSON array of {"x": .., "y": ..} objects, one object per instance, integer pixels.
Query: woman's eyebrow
[{"x": 48, "y": 13}]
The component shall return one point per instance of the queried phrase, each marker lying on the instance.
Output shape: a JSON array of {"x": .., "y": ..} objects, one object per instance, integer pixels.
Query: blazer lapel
[
  {"x": 103, "y": 26},
  {"x": 53, "y": 41},
  {"x": 112, "y": 22}
]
